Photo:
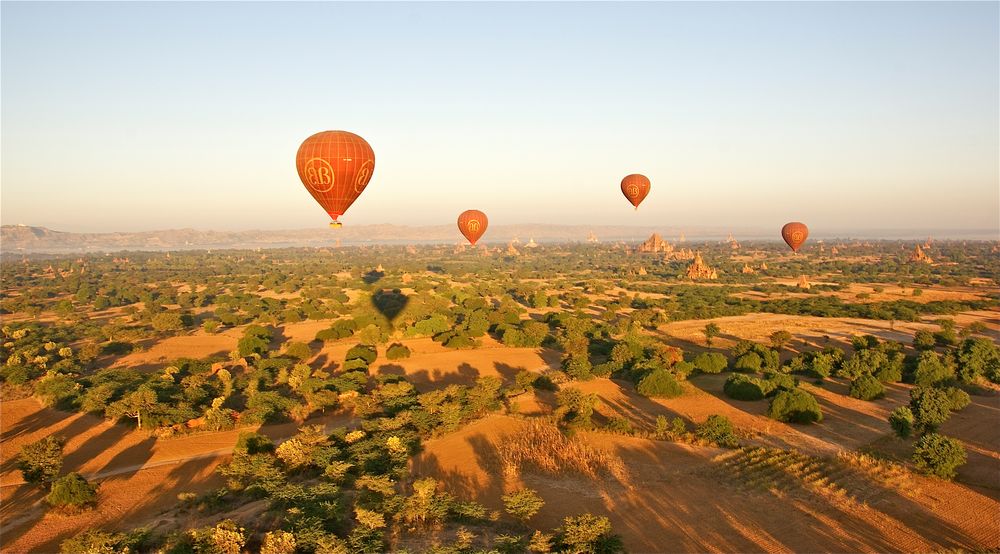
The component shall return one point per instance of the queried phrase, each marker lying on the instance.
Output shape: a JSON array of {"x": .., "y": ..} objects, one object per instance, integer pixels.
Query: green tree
[
  {"x": 397, "y": 351},
  {"x": 978, "y": 357},
  {"x": 779, "y": 339},
  {"x": 901, "y": 421},
  {"x": 938, "y": 455},
  {"x": 751, "y": 362},
  {"x": 867, "y": 387},
  {"x": 930, "y": 406},
  {"x": 660, "y": 383},
  {"x": 41, "y": 461},
  {"x": 711, "y": 362},
  {"x": 298, "y": 350},
  {"x": 795, "y": 406},
  {"x": 168, "y": 321},
  {"x": 523, "y": 504},
  {"x": 134, "y": 404},
  {"x": 711, "y": 331},
  {"x": 931, "y": 369}
]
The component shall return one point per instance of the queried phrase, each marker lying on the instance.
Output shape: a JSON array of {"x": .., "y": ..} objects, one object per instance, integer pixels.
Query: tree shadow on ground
[
  {"x": 94, "y": 446},
  {"x": 132, "y": 457}
]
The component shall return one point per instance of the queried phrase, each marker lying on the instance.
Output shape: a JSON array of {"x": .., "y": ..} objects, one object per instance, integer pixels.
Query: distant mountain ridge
[{"x": 30, "y": 239}]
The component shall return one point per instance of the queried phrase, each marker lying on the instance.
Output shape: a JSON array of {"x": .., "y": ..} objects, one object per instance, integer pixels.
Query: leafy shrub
[
  {"x": 744, "y": 387},
  {"x": 397, "y": 351},
  {"x": 717, "y": 429},
  {"x": 710, "y": 362},
  {"x": 365, "y": 352},
  {"x": 796, "y": 406},
  {"x": 776, "y": 382},
  {"x": 923, "y": 339},
  {"x": 621, "y": 425},
  {"x": 72, "y": 490},
  {"x": 18, "y": 374},
  {"x": 299, "y": 350},
  {"x": 523, "y": 504},
  {"x": 587, "y": 533},
  {"x": 96, "y": 541},
  {"x": 901, "y": 421},
  {"x": 867, "y": 387},
  {"x": 41, "y": 460},
  {"x": 170, "y": 321},
  {"x": 356, "y": 364},
  {"x": 460, "y": 340},
  {"x": 682, "y": 369},
  {"x": 958, "y": 397},
  {"x": 938, "y": 455},
  {"x": 278, "y": 542},
  {"x": 660, "y": 383},
  {"x": 57, "y": 390},
  {"x": 751, "y": 362}
]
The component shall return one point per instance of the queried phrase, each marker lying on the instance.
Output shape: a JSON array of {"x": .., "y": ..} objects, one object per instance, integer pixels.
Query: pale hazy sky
[{"x": 131, "y": 116}]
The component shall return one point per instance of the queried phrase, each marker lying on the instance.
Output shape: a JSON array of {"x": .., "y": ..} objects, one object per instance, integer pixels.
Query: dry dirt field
[
  {"x": 810, "y": 332},
  {"x": 678, "y": 497},
  {"x": 687, "y": 498}
]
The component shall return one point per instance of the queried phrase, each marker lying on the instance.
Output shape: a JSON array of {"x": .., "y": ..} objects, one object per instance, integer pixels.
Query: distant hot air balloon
[
  {"x": 472, "y": 224},
  {"x": 635, "y": 187},
  {"x": 335, "y": 167},
  {"x": 795, "y": 234}
]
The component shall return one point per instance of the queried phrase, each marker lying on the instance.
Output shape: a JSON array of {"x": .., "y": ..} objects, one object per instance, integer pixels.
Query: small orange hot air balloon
[
  {"x": 335, "y": 167},
  {"x": 795, "y": 234},
  {"x": 472, "y": 224},
  {"x": 635, "y": 187}
]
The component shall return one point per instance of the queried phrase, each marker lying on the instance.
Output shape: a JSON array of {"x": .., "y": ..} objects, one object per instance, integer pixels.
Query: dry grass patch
[
  {"x": 541, "y": 446},
  {"x": 884, "y": 472},
  {"x": 779, "y": 470}
]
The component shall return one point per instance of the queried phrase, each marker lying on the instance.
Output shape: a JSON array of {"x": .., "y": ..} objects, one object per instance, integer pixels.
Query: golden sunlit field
[{"x": 575, "y": 398}]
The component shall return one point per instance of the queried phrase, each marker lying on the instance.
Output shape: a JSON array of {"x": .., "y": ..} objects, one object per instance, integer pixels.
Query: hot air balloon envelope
[
  {"x": 472, "y": 224},
  {"x": 335, "y": 167},
  {"x": 635, "y": 187},
  {"x": 795, "y": 234}
]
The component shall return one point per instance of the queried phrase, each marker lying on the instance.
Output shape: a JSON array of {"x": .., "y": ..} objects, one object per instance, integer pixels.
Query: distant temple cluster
[
  {"x": 700, "y": 270},
  {"x": 803, "y": 283},
  {"x": 733, "y": 243},
  {"x": 656, "y": 245},
  {"x": 918, "y": 256}
]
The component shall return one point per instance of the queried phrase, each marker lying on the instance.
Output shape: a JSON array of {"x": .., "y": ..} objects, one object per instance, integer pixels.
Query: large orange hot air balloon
[
  {"x": 635, "y": 187},
  {"x": 335, "y": 167},
  {"x": 795, "y": 234},
  {"x": 472, "y": 224}
]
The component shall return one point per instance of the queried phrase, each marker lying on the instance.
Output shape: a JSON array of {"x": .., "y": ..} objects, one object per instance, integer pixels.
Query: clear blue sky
[{"x": 132, "y": 116}]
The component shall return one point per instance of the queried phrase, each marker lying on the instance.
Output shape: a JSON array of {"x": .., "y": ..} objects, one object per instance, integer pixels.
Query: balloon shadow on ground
[
  {"x": 389, "y": 302},
  {"x": 372, "y": 277}
]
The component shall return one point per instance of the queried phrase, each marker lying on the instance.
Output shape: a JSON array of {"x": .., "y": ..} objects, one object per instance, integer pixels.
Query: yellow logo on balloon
[
  {"x": 472, "y": 225},
  {"x": 363, "y": 175},
  {"x": 319, "y": 174}
]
